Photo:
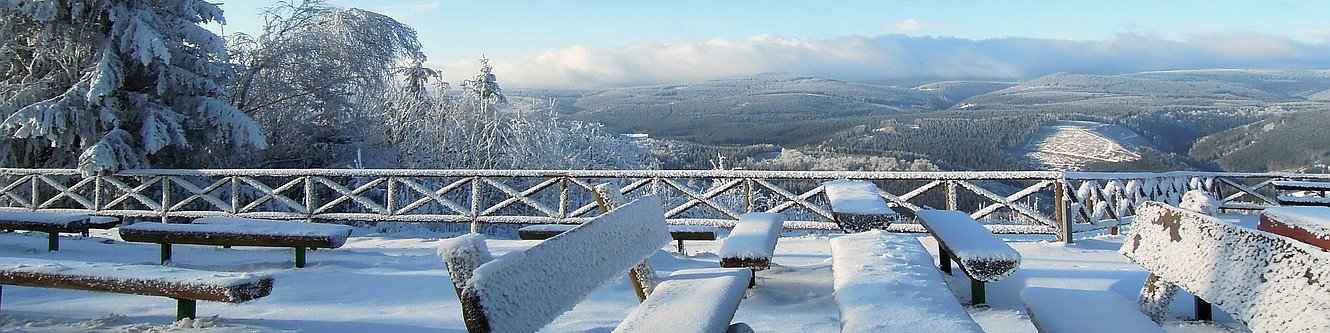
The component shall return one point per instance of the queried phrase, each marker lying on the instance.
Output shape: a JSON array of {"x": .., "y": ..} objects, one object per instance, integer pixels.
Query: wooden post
[
  {"x": 1203, "y": 310},
  {"x": 563, "y": 197},
  {"x": 184, "y": 309},
  {"x": 475, "y": 205},
  {"x": 943, "y": 259},
  {"x": 166, "y": 197},
  {"x": 952, "y": 196},
  {"x": 1064, "y": 221},
  {"x": 300, "y": 257},
  {"x": 748, "y": 196},
  {"x": 309, "y": 199}
]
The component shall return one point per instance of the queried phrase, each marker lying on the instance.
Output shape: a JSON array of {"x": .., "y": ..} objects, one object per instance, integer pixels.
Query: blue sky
[{"x": 615, "y": 43}]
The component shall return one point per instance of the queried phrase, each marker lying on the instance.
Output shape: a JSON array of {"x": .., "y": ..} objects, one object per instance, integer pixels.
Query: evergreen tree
[{"x": 106, "y": 85}]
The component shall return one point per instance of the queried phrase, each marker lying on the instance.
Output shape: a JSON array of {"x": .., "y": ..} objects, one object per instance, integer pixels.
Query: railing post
[
  {"x": 166, "y": 197},
  {"x": 952, "y": 197},
  {"x": 475, "y": 205},
  {"x": 97, "y": 192},
  {"x": 309, "y": 198},
  {"x": 563, "y": 197},
  {"x": 391, "y": 200},
  {"x": 235, "y": 195},
  {"x": 32, "y": 189},
  {"x": 1060, "y": 211},
  {"x": 748, "y": 195}
]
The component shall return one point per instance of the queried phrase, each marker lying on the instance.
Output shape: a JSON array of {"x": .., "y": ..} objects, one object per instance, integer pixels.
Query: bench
[
  {"x": 234, "y": 231},
  {"x": 886, "y": 282},
  {"x": 1309, "y": 225},
  {"x": 858, "y": 205},
  {"x": 51, "y": 223},
  {"x": 186, "y": 286},
  {"x": 981, "y": 255},
  {"x": 752, "y": 242},
  {"x": 524, "y": 291},
  {"x": 1269, "y": 282},
  {"x": 1316, "y": 189},
  {"x": 1054, "y": 310},
  {"x": 679, "y": 233}
]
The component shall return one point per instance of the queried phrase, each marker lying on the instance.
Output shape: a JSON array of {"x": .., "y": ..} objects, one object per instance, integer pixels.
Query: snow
[
  {"x": 1308, "y": 200},
  {"x": 1273, "y": 284},
  {"x": 245, "y": 226},
  {"x": 102, "y": 273},
  {"x": 694, "y": 300},
  {"x": 984, "y": 256},
  {"x": 1315, "y": 220},
  {"x": 754, "y": 236},
  {"x": 1065, "y": 311},
  {"x": 64, "y": 221},
  {"x": 887, "y": 283},
  {"x": 566, "y": 227},
  {"x": 1301, "y": 185},
  {"x": 856, "y": 197},
  {"x": 523, "y": 291},
  {"x": 1201, "y": 202},
  {"x": 390, "y": 279}
]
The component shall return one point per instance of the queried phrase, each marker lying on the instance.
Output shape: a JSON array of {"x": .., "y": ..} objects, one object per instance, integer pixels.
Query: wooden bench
[
  {"x": 752, "y": 242},
  {"x": 1055, "y": 310},
  {"x": 234, "y": 231},
  {"x": 679, "y": 233},
  {"x": 858, "y": 205},
  {"x": 1317, "y": 190},
  {"x": 522, "y": 292},
  {"x": 1269, "y": 282},
  {"x": 186, "y": 286},
  {"x": 886, "y": 282},
  {"x": 51, "y": 223},
  {"x": 983, "y": 256},
  {"x": 1309, "y": 225}
]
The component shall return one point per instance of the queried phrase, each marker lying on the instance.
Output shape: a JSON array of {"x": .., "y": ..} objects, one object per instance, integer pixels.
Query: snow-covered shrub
[{"x": 1201, "y": 202}]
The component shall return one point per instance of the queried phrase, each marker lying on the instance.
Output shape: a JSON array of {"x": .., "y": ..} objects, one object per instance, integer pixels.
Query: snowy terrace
[{"x": 388, "y": 278}]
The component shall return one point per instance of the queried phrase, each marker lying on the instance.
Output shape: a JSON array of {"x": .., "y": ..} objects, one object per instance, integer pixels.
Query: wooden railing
[{"x": 1010, "y": 202}]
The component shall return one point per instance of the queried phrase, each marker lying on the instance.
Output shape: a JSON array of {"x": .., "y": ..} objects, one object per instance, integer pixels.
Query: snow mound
[{"x": 1201, "y": 202}]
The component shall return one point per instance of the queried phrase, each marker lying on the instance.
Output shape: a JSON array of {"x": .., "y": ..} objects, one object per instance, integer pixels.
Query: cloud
[
  {"x": 912, "y": 25},
  {"x": 890, "y": 57}
]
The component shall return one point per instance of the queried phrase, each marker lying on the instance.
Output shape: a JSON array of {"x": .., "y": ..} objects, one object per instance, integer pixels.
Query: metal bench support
[
  {"x": 300, "y": 257},
  {"x": 1203, "y": 310},
  {"x": 53, "y": 241},
  {"x": 977, "y": 292},
  {"x": 184, "y": 308},
  {"x": 166, "y": 253}
]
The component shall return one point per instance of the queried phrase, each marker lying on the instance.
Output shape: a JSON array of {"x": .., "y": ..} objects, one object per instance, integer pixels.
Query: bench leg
[
  {"x": 680, "y": 246},
  {"x": 977, "y": 296},
  {"x": 1203, "y": 310},
  {"x": 166, "y": 253},
  {"x": 300, "y": 257},
  {"x": 53, "y": 241},
  {"x": 943, "y": 259},
  {"x": 184, "y": 309}
]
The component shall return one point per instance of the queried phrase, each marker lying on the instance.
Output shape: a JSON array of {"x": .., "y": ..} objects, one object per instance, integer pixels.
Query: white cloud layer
[
  {"x": 913, "y": 25},
  {"x": 889, "y": 57}
]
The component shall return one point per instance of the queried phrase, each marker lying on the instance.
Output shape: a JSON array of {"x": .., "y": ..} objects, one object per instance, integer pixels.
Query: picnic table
[
  {"x": 234, "y": 231},
  {"x": 54, "y": 223}
]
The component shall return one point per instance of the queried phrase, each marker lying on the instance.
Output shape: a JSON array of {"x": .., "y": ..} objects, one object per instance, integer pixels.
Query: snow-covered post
[
  {"x": 475, "y": 205},
  {"x": 563, "y": 197},
  {"x": 166, "y": 196},
  {"x": 235, "y": 194},
  {"x": 748, "y": 195},
  {"x": 309, "y": 198},
  {"x": 1060, "y": 210},
  {"x": 952, "y": 198}
]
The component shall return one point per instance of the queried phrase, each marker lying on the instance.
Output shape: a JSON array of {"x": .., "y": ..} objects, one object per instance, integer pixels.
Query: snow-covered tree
[
  {"x": 304, "y": 75},
  {"x": 111, "y": 84}
]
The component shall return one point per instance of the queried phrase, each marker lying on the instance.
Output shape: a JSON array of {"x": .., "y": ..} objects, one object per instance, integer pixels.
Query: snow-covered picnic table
[
  {"x": 1301, "y": 193},
  {"x": 1269, "y": 282},
  {"x": 185, "y": 285},
  {"x": 679, "y": 233},
  {"x": 886, "y": 282},
  {"x": 983, "y": 257},
  {"x": 235, "y": 231},
  {"x": 857, "y": 205},
  {"x": 752, "y": 243},
  {"x": 526, "y": 290},
  {"x": 53, "y": 224}
]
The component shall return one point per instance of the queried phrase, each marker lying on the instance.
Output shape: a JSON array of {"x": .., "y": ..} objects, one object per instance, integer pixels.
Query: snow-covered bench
[
  {"x": 186, "y": 286},
  {"x": 752, "y": 243},
  {"x": 609, "y": 196},
  {"x": 858, "y": 205},
  {"x": 1269, "y": 282},
  {"x": 1055, "y": 310},
  {"x": 983, "y": 256},
  {"x": 51, "y": 223},
  {"x": 886, "y": 282},
  {"x": 1314, "y": 193},
  {"x": 235, "y": 231},
  {"x": 1309, "y": 225},
  {"x": 524, "y": 291}
]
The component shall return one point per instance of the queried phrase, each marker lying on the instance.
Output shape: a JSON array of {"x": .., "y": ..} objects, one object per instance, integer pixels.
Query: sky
[{"x": 564, "y": 44}]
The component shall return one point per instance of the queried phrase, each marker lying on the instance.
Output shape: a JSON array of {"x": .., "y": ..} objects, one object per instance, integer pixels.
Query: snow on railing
[{"x": 1006, "y": 201}]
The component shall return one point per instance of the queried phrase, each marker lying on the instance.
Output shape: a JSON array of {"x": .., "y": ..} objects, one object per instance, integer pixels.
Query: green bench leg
[
  {"x": 944, "y": 259},
  {"x": 977, "y": 292},
  {"x": 53, "y": 241},
  {"x": 300, "y": 257},
  {"x": 166, "y": 253},
  {"x": 184, "y": 309},
  {"x": 1203, "y": 310},
  {"x": 680, "y": 246}
]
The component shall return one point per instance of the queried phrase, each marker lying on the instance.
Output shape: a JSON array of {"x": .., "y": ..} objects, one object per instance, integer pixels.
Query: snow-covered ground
[
  {"x": 394, "y": 282},
  {"x": 1069, "y": 145}
]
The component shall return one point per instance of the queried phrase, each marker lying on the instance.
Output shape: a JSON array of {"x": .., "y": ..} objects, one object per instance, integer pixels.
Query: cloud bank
[{"x": 890, "y": 57}]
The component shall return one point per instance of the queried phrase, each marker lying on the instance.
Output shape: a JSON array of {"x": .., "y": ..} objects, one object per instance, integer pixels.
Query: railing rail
[{"x": 1007, "y": 201}]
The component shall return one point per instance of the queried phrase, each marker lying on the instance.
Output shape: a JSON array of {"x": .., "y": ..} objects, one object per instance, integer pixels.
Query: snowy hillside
[{"x": 1070, "y": 145}]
